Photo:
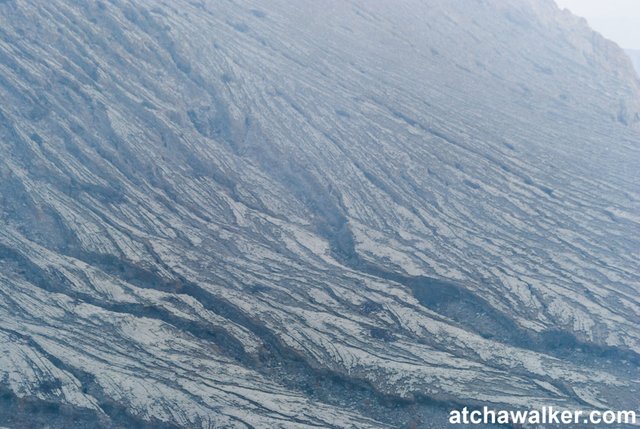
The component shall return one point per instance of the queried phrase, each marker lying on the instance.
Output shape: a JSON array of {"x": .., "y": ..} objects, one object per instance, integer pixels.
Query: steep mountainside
[
  {"x": 635, "y": 59},
  {"x": 348, "y": 213}
]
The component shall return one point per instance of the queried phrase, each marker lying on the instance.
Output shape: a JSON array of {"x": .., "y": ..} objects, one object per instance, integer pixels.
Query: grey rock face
[{"x": 313, "y": 214}]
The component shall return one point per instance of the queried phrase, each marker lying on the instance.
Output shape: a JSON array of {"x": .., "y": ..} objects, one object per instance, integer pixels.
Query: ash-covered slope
[
  {"x": 313, "y": 214},
  {"x": 634, "y": 54}
]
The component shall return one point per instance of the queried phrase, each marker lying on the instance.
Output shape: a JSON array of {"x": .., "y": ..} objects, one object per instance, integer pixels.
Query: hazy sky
[{"x": 618, "y": 20}]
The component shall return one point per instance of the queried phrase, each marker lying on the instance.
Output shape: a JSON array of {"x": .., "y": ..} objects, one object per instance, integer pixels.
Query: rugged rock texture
[{"x": 345, "y": 213}]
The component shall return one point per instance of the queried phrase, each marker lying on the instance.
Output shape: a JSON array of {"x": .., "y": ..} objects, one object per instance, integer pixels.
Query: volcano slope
[
  {"x": 313, "y": 214},
  {"x": 634, "y": 55}
]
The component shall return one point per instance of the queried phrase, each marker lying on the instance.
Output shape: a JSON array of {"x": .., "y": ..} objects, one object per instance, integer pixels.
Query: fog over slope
[
  {"x": 635, "y": 58},
  {"x": 348, "y": 213}
]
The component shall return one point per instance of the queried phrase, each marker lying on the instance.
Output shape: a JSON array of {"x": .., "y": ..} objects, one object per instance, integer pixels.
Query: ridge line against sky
[{"x": 617, "y": 20}]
